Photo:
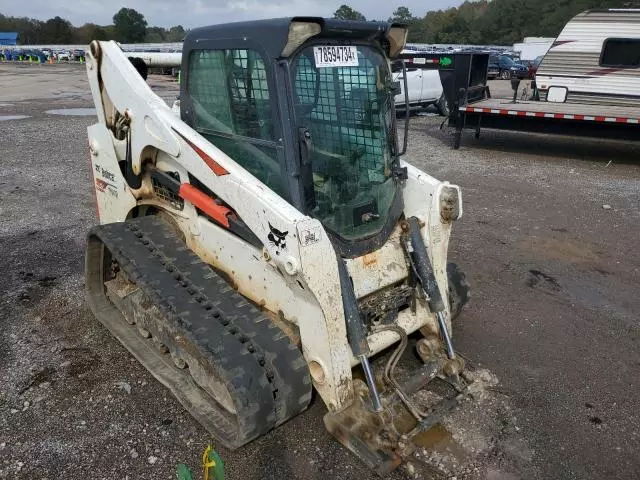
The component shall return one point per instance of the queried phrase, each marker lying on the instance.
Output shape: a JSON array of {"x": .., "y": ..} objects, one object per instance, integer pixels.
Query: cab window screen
[
  {"x": 349, "y": 112},
  {"x": 230, "y": 96},
  {"x": 621, "y": 52}
]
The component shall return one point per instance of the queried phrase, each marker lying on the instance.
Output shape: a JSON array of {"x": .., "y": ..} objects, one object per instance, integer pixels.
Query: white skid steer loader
[{"x": 270, "y": 239}]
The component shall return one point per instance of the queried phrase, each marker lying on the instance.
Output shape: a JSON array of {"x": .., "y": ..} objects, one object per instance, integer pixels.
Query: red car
[{"x": 533, "y": 66}]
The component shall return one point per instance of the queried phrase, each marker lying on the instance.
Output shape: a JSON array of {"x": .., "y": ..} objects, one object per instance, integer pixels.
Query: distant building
[{"x": 8, "y": 38}]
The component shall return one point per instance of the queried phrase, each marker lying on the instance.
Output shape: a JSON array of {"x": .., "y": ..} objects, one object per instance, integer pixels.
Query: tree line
[
  {"x": 129, "y": 26},
  {"x": 489, "y": 22},
  {"x": 482, "y": 22}
]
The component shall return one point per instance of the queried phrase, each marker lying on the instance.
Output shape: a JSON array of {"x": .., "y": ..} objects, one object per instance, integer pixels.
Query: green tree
[
  {"x": 414, "y": 24},
  {"x": 89, "y": 32},
  {"x": 129, "y": 26},
  {"x": 345, "y": 12},
  {"x": 57, "y": 31},
  {"x": 176, "y": 34},
  {"x": 402, "y": 15},
  {"x": 109, "y": 31},
  {"x": 160, "y": 34},
  {"x": 29, "y": 29},
  {"x": 155, "y": 35}
]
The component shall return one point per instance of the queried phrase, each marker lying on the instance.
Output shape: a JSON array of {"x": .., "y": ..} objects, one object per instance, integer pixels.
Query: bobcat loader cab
[{"x": 271, "y": 239}]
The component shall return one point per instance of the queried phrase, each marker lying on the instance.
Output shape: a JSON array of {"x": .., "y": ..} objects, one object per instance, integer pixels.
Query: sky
[{"x": 195, "y": 13}]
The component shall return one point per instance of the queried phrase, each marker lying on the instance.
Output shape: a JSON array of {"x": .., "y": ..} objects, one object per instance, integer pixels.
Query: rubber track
[{"x": 265, "y": 373}]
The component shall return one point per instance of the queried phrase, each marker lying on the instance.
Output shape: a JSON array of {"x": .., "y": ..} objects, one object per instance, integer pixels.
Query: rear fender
[{"x": 114, "y": 198}]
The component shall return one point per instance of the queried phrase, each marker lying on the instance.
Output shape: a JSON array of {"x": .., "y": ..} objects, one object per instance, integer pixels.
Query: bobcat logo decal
[{"x": 277, "y": 238}]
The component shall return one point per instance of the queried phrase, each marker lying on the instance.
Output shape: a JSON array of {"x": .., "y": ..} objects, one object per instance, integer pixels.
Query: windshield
[
  {"x": 507, "y": 60},
  {"x": 343, "y": 97}
]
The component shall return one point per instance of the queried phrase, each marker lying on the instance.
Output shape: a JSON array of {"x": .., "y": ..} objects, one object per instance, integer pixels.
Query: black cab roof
[{"x": 272, "y": 34}]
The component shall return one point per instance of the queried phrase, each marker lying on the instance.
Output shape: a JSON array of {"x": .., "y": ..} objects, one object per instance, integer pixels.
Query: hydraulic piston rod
[
  {"x": 357, "y": 332},
  {"x": 424, "y": 271}
]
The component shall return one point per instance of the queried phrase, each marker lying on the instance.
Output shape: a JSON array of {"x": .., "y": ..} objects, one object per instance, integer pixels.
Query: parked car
[
  {"x": 17, "y": 54},
  {"x": 508, "y": 67},
  {"x": 424, "y": 87},
  {"x": 77, "y": 55},
  {"x": 34, "y": 55},
  {"x": 533, "y": 66},
  {"x": 493, "y": 70},
  {"x": 63, "y": 55}
]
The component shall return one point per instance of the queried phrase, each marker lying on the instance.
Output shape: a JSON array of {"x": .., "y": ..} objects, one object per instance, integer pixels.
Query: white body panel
[
  {"x": 414, "y": 86},
  {"x": 424, "y": 87},
  {"x": 299, "y": 282},
  {"x": 533, "y": 47},
  {"x": 431, "y": 86},
  {"x": 573, "y": 61}
]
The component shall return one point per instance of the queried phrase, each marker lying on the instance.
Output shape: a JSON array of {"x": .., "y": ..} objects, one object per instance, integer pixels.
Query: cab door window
[{"x": 232, "y": 109}]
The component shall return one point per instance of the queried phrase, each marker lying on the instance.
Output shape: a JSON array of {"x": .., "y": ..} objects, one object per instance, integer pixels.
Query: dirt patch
[
  {"x": 563, "y": 249},
  {"x": 482, "y": 438}
]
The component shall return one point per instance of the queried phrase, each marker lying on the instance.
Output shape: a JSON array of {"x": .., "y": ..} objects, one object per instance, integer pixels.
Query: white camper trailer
[{"x": 595, "y": 60}]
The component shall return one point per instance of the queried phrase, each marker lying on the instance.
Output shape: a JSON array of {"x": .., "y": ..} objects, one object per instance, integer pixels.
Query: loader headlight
[
  {"x": 450, "y": 208},
  {"x": 299, "y": 32}
]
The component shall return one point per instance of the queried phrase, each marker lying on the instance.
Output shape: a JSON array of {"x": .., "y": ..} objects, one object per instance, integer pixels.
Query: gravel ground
[{"x": 548, "y": 241}]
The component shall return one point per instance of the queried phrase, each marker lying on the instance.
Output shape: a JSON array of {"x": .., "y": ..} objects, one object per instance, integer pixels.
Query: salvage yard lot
[{"x": 549, "y": 242}]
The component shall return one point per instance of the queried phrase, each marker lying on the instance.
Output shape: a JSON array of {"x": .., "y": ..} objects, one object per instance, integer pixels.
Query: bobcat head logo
[{"x": 277, "y": 238}]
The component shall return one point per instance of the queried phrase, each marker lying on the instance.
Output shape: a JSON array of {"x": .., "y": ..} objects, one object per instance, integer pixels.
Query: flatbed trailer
[
  {"x": 464, "y": 81},
  {"x": 604, "y": 121}
]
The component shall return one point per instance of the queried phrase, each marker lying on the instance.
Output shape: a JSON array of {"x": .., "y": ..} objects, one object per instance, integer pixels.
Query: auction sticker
[{"x": 335, "y": 56}]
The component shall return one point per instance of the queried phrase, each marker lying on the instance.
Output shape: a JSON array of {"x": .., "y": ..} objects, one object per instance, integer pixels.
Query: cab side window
[{"x": 230, "y": 96}]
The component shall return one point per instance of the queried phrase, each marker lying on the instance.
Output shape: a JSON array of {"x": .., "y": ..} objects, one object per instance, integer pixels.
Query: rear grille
[{"x": 163, "y": 193}]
